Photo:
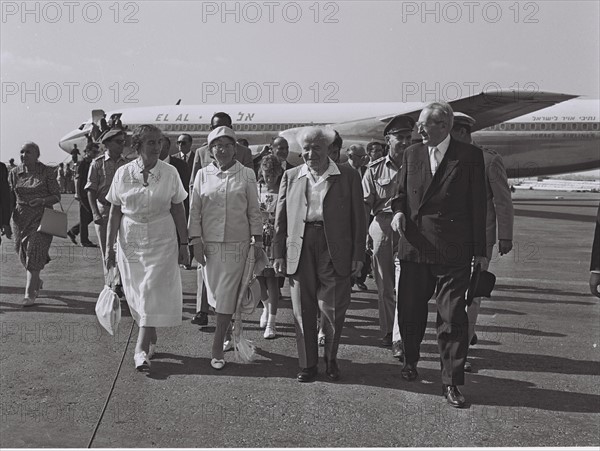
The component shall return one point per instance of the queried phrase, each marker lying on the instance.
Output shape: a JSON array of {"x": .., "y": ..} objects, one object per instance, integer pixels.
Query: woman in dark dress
[{"x": 35, "y": 187}]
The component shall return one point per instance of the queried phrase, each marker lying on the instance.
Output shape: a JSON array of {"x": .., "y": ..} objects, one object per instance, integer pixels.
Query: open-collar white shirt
[{"x": 316, "y": 189}]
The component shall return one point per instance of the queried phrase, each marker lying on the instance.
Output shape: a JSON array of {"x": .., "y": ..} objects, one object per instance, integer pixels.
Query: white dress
[{"x": 147, "y": 248}]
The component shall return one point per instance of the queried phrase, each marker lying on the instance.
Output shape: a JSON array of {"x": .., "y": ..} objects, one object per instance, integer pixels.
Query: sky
[{"x": 60, "y": 60}]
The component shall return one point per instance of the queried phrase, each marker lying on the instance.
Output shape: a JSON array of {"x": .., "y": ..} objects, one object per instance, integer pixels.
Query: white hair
[
  {"x": 325, "y": 134},
  {"x": 442, "y": 111}
]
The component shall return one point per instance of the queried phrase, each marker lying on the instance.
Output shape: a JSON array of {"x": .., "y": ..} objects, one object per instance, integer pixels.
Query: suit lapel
[{"x": 446, "y": 168}]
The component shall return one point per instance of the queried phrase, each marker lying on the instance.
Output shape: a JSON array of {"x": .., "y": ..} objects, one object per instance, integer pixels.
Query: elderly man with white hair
[{"x": 319, "y": 242}]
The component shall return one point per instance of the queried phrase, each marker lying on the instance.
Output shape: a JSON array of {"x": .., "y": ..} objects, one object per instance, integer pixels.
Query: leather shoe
[
  {"x": 200, "y": 318},
  {"x": 308, "y": 374},
  {"x": 332, "y": 372},
  {"x": 409, "y": 371},
  {"x": 362, "y": 286},
  {"x": 468, "y": 366},
  {"x": 453, "y": 396},
  {"x": 88, "y": 244}
]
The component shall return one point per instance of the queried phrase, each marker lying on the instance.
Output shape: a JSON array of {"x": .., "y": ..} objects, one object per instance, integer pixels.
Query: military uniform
[{"x": 380, "y": 184}]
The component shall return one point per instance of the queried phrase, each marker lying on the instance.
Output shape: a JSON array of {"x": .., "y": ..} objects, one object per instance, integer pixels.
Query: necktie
[{"x": 436, "y": 158}]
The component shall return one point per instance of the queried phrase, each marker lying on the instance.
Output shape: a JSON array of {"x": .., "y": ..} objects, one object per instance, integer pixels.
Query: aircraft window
[
  {"x": 254, "y": 126},
  {"x": 502, "y": 126},
  {"x": 543, "y": 126},
  {"x": 246, "y": 127},
  {"x": 553, "y": 126},
  {"x": 595, "y": 126},
  {"x": 563, "y": 126},
  {"x": 573, "y": 126},
  {"x": 531, "y": 126},
  {"x": 584, "y": 126},
  {"x": 512, "y": 126},
  {"x": 522, "y": 126}
]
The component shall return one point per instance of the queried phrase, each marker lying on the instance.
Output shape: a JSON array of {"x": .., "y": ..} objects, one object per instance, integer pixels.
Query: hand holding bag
[
  {"x": 108, "y": 307},
  {"x": 54, "y": 222}
]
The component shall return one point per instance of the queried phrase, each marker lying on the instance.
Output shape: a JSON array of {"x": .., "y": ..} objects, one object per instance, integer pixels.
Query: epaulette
[{"x": 379, "y": 160}]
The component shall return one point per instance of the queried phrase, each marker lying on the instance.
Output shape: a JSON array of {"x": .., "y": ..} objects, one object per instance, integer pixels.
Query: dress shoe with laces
[
  {"x": 308, "y": 374},
  {"x": 453, "y": 396},
  {"x": 88, "y": 244},
  {"x": 473, "y": 340},
  {"x": 332, "y": 371},
  {"x": 201, "y": 319},
  {"x": 72, "y": 237},
  {"x": 409, "y": 371}
]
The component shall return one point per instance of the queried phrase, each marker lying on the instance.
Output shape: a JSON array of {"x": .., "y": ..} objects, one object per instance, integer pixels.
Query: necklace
[{"x": 146, "y": 174}]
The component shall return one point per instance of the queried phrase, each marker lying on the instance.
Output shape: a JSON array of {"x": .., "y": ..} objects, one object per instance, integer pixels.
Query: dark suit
[
  {"x": 445, "y": 227},
  {"x": 184, "y": 170},
  {"x": 319, "y": 258}
]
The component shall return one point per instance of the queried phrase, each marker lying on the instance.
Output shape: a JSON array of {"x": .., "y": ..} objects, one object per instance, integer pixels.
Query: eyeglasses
[
  {"x": 181, "y": 142},
  {"x": 221, "y": 146}
]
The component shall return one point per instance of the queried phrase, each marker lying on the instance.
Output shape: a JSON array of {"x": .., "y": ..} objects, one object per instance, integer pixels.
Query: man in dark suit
[
  {"x": 595, "y": 262},
  {"x": 319, "y": 242},
  {"x": 185, "y": 154},
  {"x": 440, "y": 213},
  {"x": 357, "y": 158}
]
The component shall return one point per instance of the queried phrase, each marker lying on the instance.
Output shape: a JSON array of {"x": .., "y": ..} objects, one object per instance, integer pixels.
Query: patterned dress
[
  {"x": 268, "y": 203},
  {"x": 31, "y": 246}
]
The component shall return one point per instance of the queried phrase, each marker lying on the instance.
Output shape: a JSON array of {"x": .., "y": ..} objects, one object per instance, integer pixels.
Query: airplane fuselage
[{"x": 559, "y": 139}]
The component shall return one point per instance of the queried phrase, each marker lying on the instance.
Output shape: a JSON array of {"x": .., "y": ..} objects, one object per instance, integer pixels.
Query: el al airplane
[{"x": 536, "y": 133}]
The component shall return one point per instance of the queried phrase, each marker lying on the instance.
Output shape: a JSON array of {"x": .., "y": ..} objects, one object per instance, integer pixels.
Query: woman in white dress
[
  {"x": 224, "y": 214},
  {"x": 147, "y": 212}
]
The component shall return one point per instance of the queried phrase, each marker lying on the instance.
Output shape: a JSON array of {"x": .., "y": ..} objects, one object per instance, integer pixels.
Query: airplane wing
[{"x": 489, "y": 108}]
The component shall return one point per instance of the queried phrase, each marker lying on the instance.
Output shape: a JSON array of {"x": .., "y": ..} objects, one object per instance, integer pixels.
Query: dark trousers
[
  {"x": 418, "y": 282},
  {"x": 85, "y": 219},
  {"x": 317, "y": 287}
]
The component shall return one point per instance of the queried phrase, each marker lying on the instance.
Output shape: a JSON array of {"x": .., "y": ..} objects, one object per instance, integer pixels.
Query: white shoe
[
  {"x": 270, "y": 331},
  {"x": 141, "y": 361},
  {"x": 217, "y": 364},
  {"x": 263, "y": 318},
  {"x": 152, "y": 350},
  {"x": 227, "y": 345}
]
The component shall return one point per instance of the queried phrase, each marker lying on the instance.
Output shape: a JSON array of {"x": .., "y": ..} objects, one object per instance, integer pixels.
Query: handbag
[
  {"x": 108, "y": 307},
  {"x": 54, "y": 222}
]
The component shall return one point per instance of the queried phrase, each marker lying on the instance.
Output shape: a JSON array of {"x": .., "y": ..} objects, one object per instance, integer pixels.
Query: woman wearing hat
[
  {"x": 224, "y": 214},
  {"x": 146, "y": 197},
  {"x": 35, "y": 187}
]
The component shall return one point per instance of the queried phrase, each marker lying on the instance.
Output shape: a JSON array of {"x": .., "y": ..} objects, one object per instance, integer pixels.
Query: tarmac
[{"x": 535, "y": 379}]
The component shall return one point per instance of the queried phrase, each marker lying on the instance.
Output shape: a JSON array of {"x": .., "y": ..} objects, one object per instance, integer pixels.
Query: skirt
[{"x": 223, "y": 273}]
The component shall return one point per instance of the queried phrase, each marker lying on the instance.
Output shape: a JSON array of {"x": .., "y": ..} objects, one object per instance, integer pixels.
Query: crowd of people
[{"x": 416, "y": 210}]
